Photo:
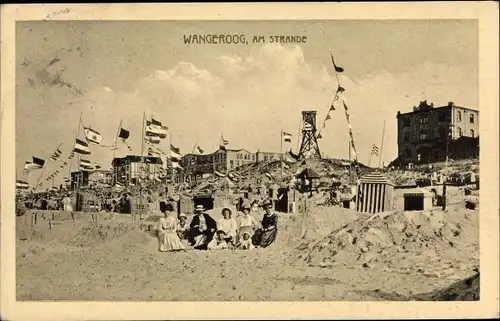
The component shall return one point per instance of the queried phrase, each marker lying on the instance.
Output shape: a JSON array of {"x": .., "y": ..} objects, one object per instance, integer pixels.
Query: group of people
[{"x": 204, "y": 233}]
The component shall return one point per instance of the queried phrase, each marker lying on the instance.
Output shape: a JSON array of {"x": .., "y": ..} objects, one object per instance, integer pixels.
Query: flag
[
  {"x": 176, "y": 165},
  {"x": 153, "y": 139},
  {"x": 332, "y": 108},
  {"x": 319, "y": 136},
  {"x": 154, "y": 128},
  {"x": 81, "y": 147},
  {"x": 71, "y": 155},
  {"x": 92, "y": 135},
  {"x": 30, "y": 165},
  {"x": 175, "y": 155},
  {"x": 199, "y": 149},
  {"x": 22, "y": 184},
  {"x": 374, "y": 150},
  {"x": 38, "y": 161},
  {"x": 337, "y": 68},
  {"x": 124, "y": 134},
  {"x": 287, "y": 137},
  {"x": 175, "y": 149},
  {"x": 328, "y": 117},
  {"x": 224, "y": 141},
  {"x": 56, "y": 155},
  {"x": 85, "y": 162}
]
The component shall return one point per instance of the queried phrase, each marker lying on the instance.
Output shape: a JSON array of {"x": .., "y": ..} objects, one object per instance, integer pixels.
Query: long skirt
[
  {"x": 264, "y": 239},
  {"x": 169, "y": 241}
]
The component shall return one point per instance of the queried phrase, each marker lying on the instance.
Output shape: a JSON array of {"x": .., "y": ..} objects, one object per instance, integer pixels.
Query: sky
[{"x": 112, "y": 71}]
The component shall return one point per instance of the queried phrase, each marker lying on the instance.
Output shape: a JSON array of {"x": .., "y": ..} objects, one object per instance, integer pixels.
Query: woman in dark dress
[{"x": 266, "y": 235}]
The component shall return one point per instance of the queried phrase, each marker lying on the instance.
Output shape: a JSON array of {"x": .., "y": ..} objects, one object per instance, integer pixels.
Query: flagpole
[
  {"x": 381, "y": 146},
  {"x": 44, "y": 168},
  {"x": 114, "y": 147},
  {"x": 298, "y": 135},
  {"x": 281, "y": 150},
  {"x": 194, "y": 147},
  {"x": 349, "y": 161}
]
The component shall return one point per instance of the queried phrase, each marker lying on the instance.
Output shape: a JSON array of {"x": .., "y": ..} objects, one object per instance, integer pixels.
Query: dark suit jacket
[{"x": 211, "y": 224}]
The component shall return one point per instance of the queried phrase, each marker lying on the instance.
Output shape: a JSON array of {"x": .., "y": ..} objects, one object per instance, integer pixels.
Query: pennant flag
[
  {"x": 374, "y": 150},
  {"x": 332, "y": 108},
  {"x": 328, "y": 117},
  {"x": 124, "y": 134},
  {"x": 56, "y": 155},
  {"x": 175, "y": 149},
  {"x": 319, "y": 136},
  {"x": 340, "y": 89},
  {"x": 22, "y": 184},
  {"x": 224, "y": 141},
  {"x": 153, "y": 139},
  {"x": 81, "y": 147},
  {"x": 337, "y": 68},
  {"x": 92, "y": 135},
  {"x": 287, "y": 137},
  {"x": 71, "y": 155},
  {"x": 199, "y": 149},
  {"x": 155, "y": 122}
]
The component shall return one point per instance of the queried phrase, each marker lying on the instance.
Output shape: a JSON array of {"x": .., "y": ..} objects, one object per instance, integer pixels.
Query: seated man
[{"x": 201, "y": 229}]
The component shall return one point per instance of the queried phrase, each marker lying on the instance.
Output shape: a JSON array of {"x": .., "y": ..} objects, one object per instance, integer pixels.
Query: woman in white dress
[
  {"x": 228, "y": 225},
  {"x": 246, "y": 222},
  {"x": 167, "y": 234}
]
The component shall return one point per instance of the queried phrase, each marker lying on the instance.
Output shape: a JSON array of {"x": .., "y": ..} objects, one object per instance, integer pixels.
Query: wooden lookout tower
[{"x": 309, "y": 148}]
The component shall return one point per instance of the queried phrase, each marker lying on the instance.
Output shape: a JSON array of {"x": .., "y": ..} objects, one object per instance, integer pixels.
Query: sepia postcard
[{"x": 230, "y": 161}]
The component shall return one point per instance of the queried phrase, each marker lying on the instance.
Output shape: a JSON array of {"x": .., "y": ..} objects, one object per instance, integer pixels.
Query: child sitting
[
  {"x": 246, "y": 242},
  {"x": 218, "y": 242}
]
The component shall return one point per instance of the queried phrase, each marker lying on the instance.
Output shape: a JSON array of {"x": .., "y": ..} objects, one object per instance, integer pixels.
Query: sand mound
[
  {"x": 379, "y": 237},
  {"x": 463, "y": 290}
]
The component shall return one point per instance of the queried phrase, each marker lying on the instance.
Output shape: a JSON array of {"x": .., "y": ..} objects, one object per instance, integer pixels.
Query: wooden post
[{"x": 444, "y": 194}]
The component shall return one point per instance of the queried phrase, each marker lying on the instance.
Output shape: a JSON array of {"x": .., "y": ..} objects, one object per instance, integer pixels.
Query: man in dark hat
[{"x": 202, "y": 229}]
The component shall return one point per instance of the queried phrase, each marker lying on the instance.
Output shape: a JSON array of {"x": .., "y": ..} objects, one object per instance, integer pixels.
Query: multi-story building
[
  {"x": 267, "y": 156},
  {"x": 101, "y": 176},
  {"x": 131, "y": 168},
  {"x": 430, "y": 134},
  {"x": 222, "y": 160}
]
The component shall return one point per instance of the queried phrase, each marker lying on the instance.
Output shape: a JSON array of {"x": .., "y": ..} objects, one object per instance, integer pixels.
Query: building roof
[
  {"x": 375, "y": 178},
  {"x": 425, "y": 107}
]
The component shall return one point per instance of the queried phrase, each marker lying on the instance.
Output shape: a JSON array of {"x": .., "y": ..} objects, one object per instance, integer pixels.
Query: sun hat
[
  {"x": 182, "y": 215},
  {"x": 227, "y": 209},
  {"x": 199, "y": 208}
]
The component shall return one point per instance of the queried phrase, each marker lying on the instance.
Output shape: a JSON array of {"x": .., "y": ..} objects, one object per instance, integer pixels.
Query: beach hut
[
  {"x": 309, "y": 178},
  {"x": 412, "y": 199},
  {"x": 374, "y": 193}
]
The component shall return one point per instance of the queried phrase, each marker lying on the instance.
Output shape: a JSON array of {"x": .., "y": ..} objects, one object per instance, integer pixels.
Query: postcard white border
[{"x": 485, "y": 12}]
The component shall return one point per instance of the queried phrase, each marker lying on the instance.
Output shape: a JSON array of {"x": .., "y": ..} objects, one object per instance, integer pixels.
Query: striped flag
[
  {"x": 56, "y": 155},
  {"x": 81, "y": 147},
  {"x": 36, "y": 163},
  {"x": 85, "y": 162},
  {"x": 175, "y": 154},
  {"x": 374, "y": 150},
  {"x": 224, "y": 141},
  {"x": 153, "y": 139},
  {"x": 92, "y": 135},
  {"x": 22, "y": 184},
  {"x": 287, "y": 138},
  {"x": 155, "y": 128}
]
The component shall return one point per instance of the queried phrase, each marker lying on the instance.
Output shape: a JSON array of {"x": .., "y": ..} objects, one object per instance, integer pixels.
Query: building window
[
  {"x": 472, "y": 133},
  {"x": 441, "y": 132},
  {"x": 471, "y": 118},
  {"x": 424, "y": 120},
  {"x": 459, "y": 131},
  {"x": 423, "y": 135},
  {"x": 459, "y": 115},
  {"x": 231, "y": 164},
  {"x": 406, "y": 137},
  {"x": 406, "y": 122},
  {"x": 253, "y": 157},
  {"x": 265, "y": 158}
]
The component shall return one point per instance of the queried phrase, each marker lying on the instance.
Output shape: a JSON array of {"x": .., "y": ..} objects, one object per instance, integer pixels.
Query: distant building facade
[
  {"x": 223, "y": 160},
  {"x": 267, "y": 156},
  {"x": 129, "y": 169},
  {"x": 101, "y": 176},
  {"x": 428, "y": 133}
]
